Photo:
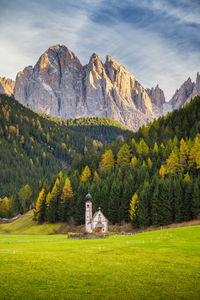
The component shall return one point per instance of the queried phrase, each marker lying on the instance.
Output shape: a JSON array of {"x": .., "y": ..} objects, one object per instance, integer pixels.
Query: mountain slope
[
  {"x": 61, "y": 86},
  {"x": 34, "y": 147}
]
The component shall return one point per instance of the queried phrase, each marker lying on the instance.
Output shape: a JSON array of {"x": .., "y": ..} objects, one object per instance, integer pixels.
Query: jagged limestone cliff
[{"x": 61, "y": 86}]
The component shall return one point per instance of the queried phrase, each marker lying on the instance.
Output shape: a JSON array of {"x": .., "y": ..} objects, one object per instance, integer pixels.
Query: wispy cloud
[{"x": 156, "y": 40}]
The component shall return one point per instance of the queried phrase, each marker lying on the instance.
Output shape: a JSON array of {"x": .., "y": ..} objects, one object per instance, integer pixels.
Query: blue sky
[{"x": 158, "y": 41}]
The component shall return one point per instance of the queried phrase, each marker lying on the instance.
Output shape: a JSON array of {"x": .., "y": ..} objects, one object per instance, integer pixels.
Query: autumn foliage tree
[
  {"x": 39, "y": 211},
  {"x": 107, "y": 161}
]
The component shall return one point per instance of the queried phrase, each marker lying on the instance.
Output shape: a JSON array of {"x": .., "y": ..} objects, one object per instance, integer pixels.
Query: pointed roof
[{"x": 97, "y": 212}]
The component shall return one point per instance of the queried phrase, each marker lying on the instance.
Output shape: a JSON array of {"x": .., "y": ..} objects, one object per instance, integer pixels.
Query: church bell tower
[{"x": 88, "y": 213}]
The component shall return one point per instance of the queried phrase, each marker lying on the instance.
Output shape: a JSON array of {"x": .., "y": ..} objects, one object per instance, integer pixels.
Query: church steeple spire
[{"x": 88, "y": 213}]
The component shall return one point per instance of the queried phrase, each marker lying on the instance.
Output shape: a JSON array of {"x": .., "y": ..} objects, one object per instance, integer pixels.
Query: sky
[{"x": 158, "y": 41}]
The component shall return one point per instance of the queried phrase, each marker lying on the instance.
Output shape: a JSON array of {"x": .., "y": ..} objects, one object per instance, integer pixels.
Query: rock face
[
  {"x": 196, "y": 89},
  {"x": 157, "y": 96},
  {"x": 182, "y": 94},
  {"x": 61, "y": 86},
  {"x": 186, "y": 92},
  {"x": 6, "y": 86}
]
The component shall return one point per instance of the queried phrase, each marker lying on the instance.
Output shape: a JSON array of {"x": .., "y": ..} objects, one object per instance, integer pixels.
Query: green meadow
[{"x": 162, "y": 264}]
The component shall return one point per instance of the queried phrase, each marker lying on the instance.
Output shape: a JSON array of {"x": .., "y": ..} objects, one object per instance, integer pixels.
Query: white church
[{"x": 98, "y": 220}]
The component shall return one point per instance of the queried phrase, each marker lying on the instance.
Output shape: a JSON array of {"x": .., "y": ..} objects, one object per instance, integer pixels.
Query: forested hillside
[
  {"x": 106, "y": 129},
  {"x": 34, "y": 147},
  {"x": 151, "y": 178}
]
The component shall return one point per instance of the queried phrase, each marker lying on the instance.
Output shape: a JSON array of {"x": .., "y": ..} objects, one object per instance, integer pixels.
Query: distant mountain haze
[{"x": 61, "y": 86}]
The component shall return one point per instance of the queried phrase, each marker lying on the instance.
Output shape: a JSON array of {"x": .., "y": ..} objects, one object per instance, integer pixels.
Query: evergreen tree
[
  {"x": 165, "y": 214},
  {"x": 184, "y": 153},
  {"x": 40, "y": 207},
  {"x": 194, "y": 155},
  {"x": 96, "y": 176},
  {"x": 196, "y": 201},
  {"x": 53, "y": 203},
  {"x": 114, "y": 202},
  {"x": 142, "y": 148},
  {"x": 65, "y": 198},
  {"x": 155, "y": 211},
  {"x": 177, "y": 200},
  {"x": 24, "y": 196},
  {"x": 187, "y": 200},
  {"x": 143, "y": 207},
  {"x": 134, "y": 160},
  {"x": 107, "y": 161},
  {"x": 134, "y": 209},
  {"x": 173, "y": 165},
  {"x": 124, "y": 155},
  {"x": 86, "y": 174}
]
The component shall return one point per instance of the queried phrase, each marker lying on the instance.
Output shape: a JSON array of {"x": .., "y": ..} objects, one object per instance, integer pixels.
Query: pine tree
[
  {"x": 143, "y": 207},
  {"x": 196, "y": 201},
  {"x": 149, "y": 162},
  {"x": 177, "y": 198},
  {"x": 96, "y": 176},
  {"x": 40, "y": 207},
  {"x": 53, "y": 203},
  {"x": 114, "y": 202},
  {"x": 162, "y": 171},
  {"x": 107, "y": 161},
  {"x": 86, "y": 174},
  {"x": 24, "y": 196},
  {"x": 184, "y": 153},
  {"x": 194, "y": 155},
  {"x": 134, "y": 208},
  {"x": 155, "y": 148},
  {"x": 173, "y": 165},
  {"x": 134, "y": 160},
  {"x": 124, "y": 155},
  {"x": 155, "y": 211},
  {"x": 165, "y": 214},
  {"x": 187, "y": 200},
  {"x": 142, "y": 148},
  {"x": 66, "y": 196},
  {"x": 187, "y": 177}
]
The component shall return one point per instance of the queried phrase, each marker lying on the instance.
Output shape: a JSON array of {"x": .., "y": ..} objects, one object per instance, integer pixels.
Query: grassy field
[
  {"x": 25, "y": 224},
  {"x": 154, "y": 265}
]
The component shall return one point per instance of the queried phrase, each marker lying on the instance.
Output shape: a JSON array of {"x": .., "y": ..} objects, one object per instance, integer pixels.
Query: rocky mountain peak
[
  {"x": 111, "y": 62},
  {"x": 61, "y": 86},
  {"x": 6, "y": 86},
  {"x": 95, "y": 64},
  {"x": 157, "y": 96},
  {"x": 182, "y": 94},
  {"x": 94, "y": 57}
]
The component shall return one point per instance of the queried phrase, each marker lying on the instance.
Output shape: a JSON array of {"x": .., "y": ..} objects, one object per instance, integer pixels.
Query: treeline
[
  {"x": 149, "y": 183},
  {"x": 106, "y": 129},
  {"x": 182, "y": 123}
]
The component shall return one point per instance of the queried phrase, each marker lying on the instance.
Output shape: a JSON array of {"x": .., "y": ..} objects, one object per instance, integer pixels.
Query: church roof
[
  {"x": 97, "y": 212},
  {"x": 88, "y": 197}
]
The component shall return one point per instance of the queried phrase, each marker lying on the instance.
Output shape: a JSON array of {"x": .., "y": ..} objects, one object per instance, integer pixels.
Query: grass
[
  {"x": 153, "y": 265},
  {"x": 25, "y": 224}
]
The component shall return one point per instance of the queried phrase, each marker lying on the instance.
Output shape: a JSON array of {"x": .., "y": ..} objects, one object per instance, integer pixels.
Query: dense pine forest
[
  {"x": 152, "y": 178},
  {"x": 34, "y": 147}
]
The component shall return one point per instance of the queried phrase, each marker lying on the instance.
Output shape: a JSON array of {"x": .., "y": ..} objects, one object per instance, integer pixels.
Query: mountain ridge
[{"x": 61, "y": 86}]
